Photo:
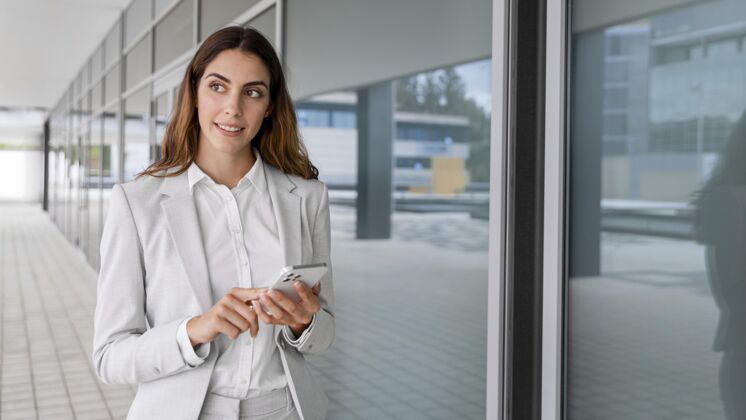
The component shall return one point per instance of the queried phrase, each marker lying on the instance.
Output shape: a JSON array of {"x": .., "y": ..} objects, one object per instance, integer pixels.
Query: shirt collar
[{"x": 255, "y": 175}]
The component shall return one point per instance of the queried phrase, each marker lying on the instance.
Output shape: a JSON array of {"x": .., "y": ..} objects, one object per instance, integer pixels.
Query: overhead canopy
[{"x": 335, "y": 44}]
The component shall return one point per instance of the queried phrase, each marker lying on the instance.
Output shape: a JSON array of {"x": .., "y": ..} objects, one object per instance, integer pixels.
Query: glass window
[
  {"x": 672, "y": 54},
  {"x": 161, "y": 5},
  {"x": 112, "y": 85},
  {"x": 615, "y": 124},
  {"x": 448, "y": 379},
  {"x": 215, "y": 14},
  {"x": 136, "y": 133},
  {"x": 174, "y": 34},
  {"x": 112, "y": 45},
  {"x": 162, "y": 113},
  {"x": 266, "y": 24},
  {"x": 110, "y": 153},
  {"x": 96, "y": 64},
  {"x": 77, "y": 86},
  {"x": 615, "y": 98},
  {"x": 723, "y": 48},
  {"x": 93, "y": 182},
  {"x": 657, "y": 219},
  {"x": 313, "y": 118},
  {"x": 344, "y": 119},
  {"x": 136, "y": 19},
  {"x": 96, "y": 96},
  {"x": 86, "y": 75},
  {"x": 616, "y": 71},
  {"x": 138, "y": 63}
]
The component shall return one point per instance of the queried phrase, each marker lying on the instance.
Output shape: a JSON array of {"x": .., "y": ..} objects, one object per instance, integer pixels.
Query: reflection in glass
[
  {"x": 721, "y": 227},
  {"x": 657, "y": 203}
]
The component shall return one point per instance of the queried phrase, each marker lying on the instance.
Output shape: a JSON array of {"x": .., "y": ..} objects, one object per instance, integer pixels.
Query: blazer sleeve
[
  {"x": 125, "y": 349},
  {"x": 320, "y": 334}
]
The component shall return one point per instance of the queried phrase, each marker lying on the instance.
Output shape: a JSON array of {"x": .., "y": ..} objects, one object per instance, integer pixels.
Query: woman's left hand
[{"x": 283, "y": 311}]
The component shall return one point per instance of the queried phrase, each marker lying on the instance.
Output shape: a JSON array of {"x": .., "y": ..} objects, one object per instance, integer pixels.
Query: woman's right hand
[{"x": 231, "y": 315}]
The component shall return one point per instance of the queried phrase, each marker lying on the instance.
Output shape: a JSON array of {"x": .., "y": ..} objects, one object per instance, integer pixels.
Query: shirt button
[{"x": 244, "y": 381}]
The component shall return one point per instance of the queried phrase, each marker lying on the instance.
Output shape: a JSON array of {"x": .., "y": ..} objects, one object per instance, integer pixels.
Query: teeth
[{"x": 231, "y": 129}]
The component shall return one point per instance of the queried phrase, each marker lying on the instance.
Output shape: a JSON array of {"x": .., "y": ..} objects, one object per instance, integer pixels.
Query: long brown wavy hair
[{"x": 277, "y": 140}]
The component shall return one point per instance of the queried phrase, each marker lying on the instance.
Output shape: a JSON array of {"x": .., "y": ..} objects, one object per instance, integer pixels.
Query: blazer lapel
[
  {"x": 183, "y": 223},
  {"x": 287, "y": 209}
]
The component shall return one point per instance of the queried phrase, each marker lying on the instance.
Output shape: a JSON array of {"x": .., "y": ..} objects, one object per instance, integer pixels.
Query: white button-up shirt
[{"x": 242, "y": 248}]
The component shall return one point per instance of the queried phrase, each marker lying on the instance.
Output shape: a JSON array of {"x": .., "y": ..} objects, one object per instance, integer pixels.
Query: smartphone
[{"x": 309, "y": 274}]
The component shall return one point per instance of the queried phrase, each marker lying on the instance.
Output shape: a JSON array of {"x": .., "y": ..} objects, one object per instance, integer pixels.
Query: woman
[
  {"x": 191, "y": 246},
  {"x": 720, "y": 225}
]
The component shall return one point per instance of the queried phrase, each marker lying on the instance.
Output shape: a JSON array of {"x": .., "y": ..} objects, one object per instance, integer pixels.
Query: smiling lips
[{"x": 229, "y": 130}]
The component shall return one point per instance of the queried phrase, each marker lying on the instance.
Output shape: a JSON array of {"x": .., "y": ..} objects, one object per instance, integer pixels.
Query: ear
[{"x": 270, "y": 108}]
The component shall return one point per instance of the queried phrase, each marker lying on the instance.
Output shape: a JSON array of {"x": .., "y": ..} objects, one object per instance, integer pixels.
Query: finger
[
  {"x": 282, "y": 301},
  {"x": 254, "y": 329},
  {"x": 278, "y": 313},
  {"x": 303, "y": 290},
  {"x": 242, "y": 308},
  {"x": 227, "y": 313},
  {"x": 316, "y": 289},
  {"x": 298, "y": 313},
  {"x": 308, "y": 301},
  {"x": 228, "y": 329},
  {"x": 245, "y": 294},
  {"x": 261, "y": 313}
]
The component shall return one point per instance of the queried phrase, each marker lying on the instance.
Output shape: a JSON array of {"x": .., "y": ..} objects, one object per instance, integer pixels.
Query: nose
[{"x": 233, "y": 105}]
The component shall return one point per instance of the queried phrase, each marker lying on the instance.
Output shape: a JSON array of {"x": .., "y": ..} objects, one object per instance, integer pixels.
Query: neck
[{"x": 224, "y": 168}]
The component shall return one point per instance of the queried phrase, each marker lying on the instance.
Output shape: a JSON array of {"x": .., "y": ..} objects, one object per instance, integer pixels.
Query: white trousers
[{"x": 274, "y": 405}]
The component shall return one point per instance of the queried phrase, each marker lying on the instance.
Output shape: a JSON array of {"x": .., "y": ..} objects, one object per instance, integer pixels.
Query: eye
[
  {"x": 217, "y": 87},
  {"x": 254, "y": 93}
]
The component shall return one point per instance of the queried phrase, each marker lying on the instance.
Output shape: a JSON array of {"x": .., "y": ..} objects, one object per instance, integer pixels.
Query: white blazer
[{"x": 154, "y": 275}]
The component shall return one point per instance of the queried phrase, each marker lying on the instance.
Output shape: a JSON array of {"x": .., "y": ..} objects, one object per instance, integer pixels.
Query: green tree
[{"x": 443, "y": 91}]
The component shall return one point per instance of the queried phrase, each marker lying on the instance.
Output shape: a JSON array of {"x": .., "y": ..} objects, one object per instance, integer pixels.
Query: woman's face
[{"x": 232, "y": 102}]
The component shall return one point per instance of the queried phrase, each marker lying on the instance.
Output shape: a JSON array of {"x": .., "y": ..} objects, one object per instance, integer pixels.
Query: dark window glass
[
  {"x": 656, "y": 293},
  {"x": 136, "y": 19},
  {"x": 138, "y": 63},
  {"x": 214, "y": 14},
  {"x": 174, "y": 35}
]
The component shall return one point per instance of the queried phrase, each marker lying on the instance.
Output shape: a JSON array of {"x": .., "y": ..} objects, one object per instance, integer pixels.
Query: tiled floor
[
  {"x": 641, "y": 334},
  {"x": 48, "y": 296},
  {"x": 411, "y": 322}
]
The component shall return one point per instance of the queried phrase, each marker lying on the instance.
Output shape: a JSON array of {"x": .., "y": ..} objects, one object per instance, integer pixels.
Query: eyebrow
[{"x": 226, "y": 80}]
